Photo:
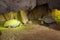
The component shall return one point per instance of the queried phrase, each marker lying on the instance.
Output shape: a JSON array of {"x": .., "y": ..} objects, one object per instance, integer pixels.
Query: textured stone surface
[
  {"x": 54, "y": 4},
  {"x": 16, "y": 5},
  {"x": 40, "y": 2}
]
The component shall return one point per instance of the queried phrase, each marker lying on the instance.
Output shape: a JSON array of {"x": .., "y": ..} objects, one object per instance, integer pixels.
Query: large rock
[
  {"x": 16, "y": 5},
  {"x": 54, "y": 4},
  {"x": 41, "y": 2}
]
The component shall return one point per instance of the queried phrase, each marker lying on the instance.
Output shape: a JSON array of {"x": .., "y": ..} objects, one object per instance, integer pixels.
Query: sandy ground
[{"x": 31, "y": 32}]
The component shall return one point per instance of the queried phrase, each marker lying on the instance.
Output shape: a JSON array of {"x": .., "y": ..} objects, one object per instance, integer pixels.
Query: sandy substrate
[{"x": 31, "y": 32}]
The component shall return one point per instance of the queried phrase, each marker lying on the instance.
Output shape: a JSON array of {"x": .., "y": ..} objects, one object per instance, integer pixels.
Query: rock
[
  {"x": 16, "y": 5},
  {"x": 54, "y": 4}
]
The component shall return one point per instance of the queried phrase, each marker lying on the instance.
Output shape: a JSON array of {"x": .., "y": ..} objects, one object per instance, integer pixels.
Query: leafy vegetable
[
  {"x": 56, "y": 14},
  {"x": 12, "y": 23}
]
